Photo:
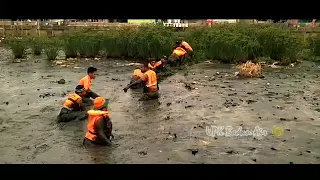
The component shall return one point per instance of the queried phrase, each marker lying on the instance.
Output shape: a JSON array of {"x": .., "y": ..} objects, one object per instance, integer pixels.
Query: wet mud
[{"x": 171, "y": 129}]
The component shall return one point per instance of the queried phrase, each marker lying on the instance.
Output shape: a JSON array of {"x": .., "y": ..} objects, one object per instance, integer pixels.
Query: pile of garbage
[
  {"x": 65, "y": 63},
  {"x": 250, "y": 69}
]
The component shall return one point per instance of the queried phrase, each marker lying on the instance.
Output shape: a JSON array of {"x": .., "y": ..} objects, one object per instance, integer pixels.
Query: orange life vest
[
  {"x": 157, "y": 64},
  {"x": 86, "y": 82},
  {"x": 137, "y": 73},
  {"x": 94, "y": 115},
  {"x": 187, "y": 46},
  {"x": 179, "y": 51},
  {"x": 73, "y": 102},
  {"x": 152, "y": 81}
]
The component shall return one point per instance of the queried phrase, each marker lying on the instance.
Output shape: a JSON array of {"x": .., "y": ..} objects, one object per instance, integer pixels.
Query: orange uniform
[
  {"x": 151, "y": 80},
  {"x": 94, "y": 117},
  {"x": 179, "y": 51},
  {"x": 157, "y": 64},
  {"x": 73, "y": 102},
  {"x": 187, "y": 46},
  {"x": 86, "y": 82}
]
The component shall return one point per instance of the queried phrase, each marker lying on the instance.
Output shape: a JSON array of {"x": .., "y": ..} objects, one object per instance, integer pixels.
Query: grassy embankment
[{"x": 227, "y": 43}]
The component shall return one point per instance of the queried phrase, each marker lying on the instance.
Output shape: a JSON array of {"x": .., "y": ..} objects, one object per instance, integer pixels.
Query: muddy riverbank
[{"x": 169, "y": 130}]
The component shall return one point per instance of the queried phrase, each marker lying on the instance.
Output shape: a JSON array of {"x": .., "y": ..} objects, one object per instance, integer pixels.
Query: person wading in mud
[
  {"x": 184, "y": 45},
  {"x": 151, "y": 87},
  {"x": 99, "y": 128},
  {"x": 73, "y": 108},
  {"x": 154, "y": 65},
  {"x": 86, "y": 82},
  {"x": 177, "y": 57}
]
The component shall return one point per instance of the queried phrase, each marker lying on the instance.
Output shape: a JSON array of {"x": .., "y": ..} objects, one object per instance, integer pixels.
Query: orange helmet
[{"x": 99, "y": 102}]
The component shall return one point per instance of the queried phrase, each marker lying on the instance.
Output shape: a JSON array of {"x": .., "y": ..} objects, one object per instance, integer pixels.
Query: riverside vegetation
[{"x": 230, "y": 43}]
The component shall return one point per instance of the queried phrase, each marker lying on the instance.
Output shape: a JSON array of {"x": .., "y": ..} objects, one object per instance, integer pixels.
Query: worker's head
[
  {"x": 164, "y": 58},
  {"x": 100, "y": 103},
  {"x": 80, "y": 90},
  {"x": 92, "y": 72},
  {"x": 144, "y": 68},
  {"x": 179, "y": 41},
  {"x": 152, "y": 61}
]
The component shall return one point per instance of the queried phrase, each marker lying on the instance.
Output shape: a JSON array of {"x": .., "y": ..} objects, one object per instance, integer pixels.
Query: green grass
[
  {"x": 52, "y": 47},
  {"x": 17, "y": 45},
  {"x": 37, "y": 45},
  {"x": 228, "y": 43}
]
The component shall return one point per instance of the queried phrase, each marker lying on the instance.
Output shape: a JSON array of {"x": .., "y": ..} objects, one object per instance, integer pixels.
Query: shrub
[
  {"x": 52, "y": 47},
  {"x": 314, "y": 46},
  {"x": 37, "y": 45},
  {"x": 70, "y": 46},
  {"x": 18, "y": 46}
]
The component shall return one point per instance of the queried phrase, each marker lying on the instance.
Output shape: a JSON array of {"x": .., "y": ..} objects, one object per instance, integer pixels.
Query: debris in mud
[
  {"x": 134, "y": 64},
  {"x": 282, "y": 119},
  {"x": 168, "y": 104},
  {"x": 16, "y": 61},
  {"x": 143, "y": 152},
  {"x": 64, "y": 63},
  {"x": 291, "y": 163},
  {"x": 251, "y": 101},
  {"x": 308, "y": 151},
  {"x": 188, "y": 86},
  {"x": 7, "y": 103},
  {"x": 230, "y": 102},
  {"x": 115, "y": 79},
  {"x": 63, "y": 94},
  {"x": 231, "y": 152},
  {"x": 188, "y": 106},
  {"x": 217, "y": 73},
  {"x": 249, "y": 69},
  {"x": 272, "y": 148},
  {"x": 204, "y": 143},
  {"x": 275, "y": 65},
  {"x": 252, "y": 148},
  {"x": 279, "y": 107},
  {"x": 212, "y": 78},
  {"x": 318, "y": 109},
  {"x": 47, "y": 94},
  {"x": 201, "y": 125},
  {"x": 61, "y": 81},
  {"x": 174, "y": 136},
  {"x": 232, "y": 94},
  {"x": 167, "y": 118},
  {"x": 194, "y": 151}
]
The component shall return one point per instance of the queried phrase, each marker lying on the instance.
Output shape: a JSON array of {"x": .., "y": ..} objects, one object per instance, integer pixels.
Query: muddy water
[{"x": 169, "y": 130}]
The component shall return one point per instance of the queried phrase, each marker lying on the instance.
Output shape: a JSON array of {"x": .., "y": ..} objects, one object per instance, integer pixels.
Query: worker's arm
[
  {"x": 81, "y": 105},
  {"x": 132, "y": 84},
  {"x": 100, "y": 125}
]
